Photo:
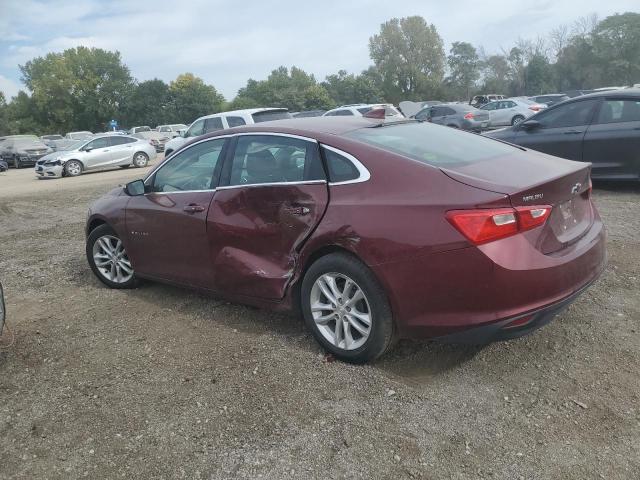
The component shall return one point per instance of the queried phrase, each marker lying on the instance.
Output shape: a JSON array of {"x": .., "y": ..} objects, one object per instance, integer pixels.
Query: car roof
[
  {"x": 627, "y": 92},
  {"x": 246, "y": 111}
]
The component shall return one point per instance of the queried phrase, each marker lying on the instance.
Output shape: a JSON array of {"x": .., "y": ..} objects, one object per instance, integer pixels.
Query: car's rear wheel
[
  {"x": 72, "y": 168},
  {"x": 108, "y": 258},
  {"x": 346, "y": 308},
  {"x": 517, "y": 119},
  {"x": 140, "y": 159}
]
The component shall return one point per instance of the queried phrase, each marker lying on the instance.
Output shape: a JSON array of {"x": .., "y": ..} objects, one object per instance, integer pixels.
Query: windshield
[
  {"x": 73, "y": 146},
  {"x": 269, "y": 115},
  {"x": 79, "y": 135},
  {"x": 432, "y": 144}
]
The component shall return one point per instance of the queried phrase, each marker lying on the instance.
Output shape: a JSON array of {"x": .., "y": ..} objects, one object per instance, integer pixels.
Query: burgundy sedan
[{"x": 375, "y": 230}]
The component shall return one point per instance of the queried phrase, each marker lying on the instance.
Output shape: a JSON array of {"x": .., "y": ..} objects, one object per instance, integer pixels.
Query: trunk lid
[{"x": 532, "y": 178}]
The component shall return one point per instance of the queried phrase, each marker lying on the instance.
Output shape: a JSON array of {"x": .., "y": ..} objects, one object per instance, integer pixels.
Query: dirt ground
[{"x": 160, "y": 382}]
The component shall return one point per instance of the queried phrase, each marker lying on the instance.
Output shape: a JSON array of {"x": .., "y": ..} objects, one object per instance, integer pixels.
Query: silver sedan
[
  {"x": 511, "y": 111},
  {"x": 96, "y": 153}
]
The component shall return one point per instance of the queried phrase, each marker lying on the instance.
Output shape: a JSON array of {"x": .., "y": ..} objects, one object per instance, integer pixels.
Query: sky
[{"x": 228, "y": 42}]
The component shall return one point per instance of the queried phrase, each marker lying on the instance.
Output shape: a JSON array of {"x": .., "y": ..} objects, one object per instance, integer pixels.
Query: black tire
[
  {"x": 93, "y": 237},
  {"x": 125, "y": 166},
  {"x": 140, "y": 159},
  {"x": 17, "y": 163},
  {"x": 517, "y": 119},
  {"x": 382, "y": 332},
  {"x": 73, "y": 168}
]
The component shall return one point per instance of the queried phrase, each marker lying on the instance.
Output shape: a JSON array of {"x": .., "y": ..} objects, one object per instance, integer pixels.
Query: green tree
[
  {"x": 80, "y": 88},
  {"x": 616, "y": 42},
  {"x": 345, "y": 88},
  {"x": 409, "y": 55},
  {"x": 464, "y": 67},
  {"x": 294, "y": 89},
  {"x": 148, "y": 104},
  {"x": 192, "y": 98},
  {"x": 496, "y": 75},
  {"x": 538, "y": 76},
  {"x": 20, "y": 115}
]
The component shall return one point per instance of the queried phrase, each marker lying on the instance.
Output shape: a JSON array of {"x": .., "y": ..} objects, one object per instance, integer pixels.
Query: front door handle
[
  {"x": 193, "y": 208},
  {"x": 572, "y": 132}
]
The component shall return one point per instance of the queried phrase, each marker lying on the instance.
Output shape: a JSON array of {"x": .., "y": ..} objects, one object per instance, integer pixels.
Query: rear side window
[
  {"x": 270, "y": 115},
  {"x": 120, "y": 140},
  {"x": 235, "y": 121},
  {"x": 275, "y": 159},
  {"x": 618, "y": 111},
  {"x": 364, "y": 110},
  {"x": 339, "y": 167},
  {"x": 432, "y": 144},
  {"x": 343, "y": 113},
  {"x": 213, "y": 124}
]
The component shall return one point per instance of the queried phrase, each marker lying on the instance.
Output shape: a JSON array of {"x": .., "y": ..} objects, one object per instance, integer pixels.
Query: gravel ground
[{"x": 161, "y": 382}]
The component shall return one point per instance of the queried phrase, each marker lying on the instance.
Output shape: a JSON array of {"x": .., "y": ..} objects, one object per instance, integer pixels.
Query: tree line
[{"x": 84, "y": 88}]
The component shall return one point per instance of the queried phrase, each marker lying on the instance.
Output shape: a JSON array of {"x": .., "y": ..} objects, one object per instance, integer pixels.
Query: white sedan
[
  {"x": 511, "y": 111},
  {"x": 105, "y": 151}
]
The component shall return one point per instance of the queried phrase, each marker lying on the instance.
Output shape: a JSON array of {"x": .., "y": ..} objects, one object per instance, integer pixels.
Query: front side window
[
  {"x": 568, "y": 115},
  {"x": 235, "y": 121},
  {"x": 618, "y": 111},
  {"x": 98, "y": 143},
  {"x": 213, "y": 124},
  {"x": 490, "y": 106},
  {"x": 192, "y": 169},
  {"x": 423, "y": 114},
  {"x": 275, "y": 159},
  {"x": 196, "y": 129}
]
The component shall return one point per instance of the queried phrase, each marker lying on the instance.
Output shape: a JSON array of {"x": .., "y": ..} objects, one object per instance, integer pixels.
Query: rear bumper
[
  {"x": 487, "y": 287},
  {"x": 502, "y": 330}
]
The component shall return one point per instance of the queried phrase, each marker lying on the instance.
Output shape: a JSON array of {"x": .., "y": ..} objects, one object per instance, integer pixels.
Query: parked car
[
  {"x": 4, "y": 166},
  {"x": 22, "y": 150},
  {"x": 157, "y": 139},
  {"x": 601, "y": 128},
  {"x": 511, "y": 111},
  {"x": 219, "y": 121},
  {"x": 410, "y": 109},
  {"x": 104, "y": 151},
  {"x": 172, "y": 130},
  {"x": 49, "y": 140},
  {"x": 308, "y": 113},
  {"x": 500, "y": 243},
  {"x": 139, "y": 130},
  {"x": 479, "y": 100},
  {"x": 70, "y": 139},
  {"x": 550, "y": 99},
  {"x": 455, "y": 115},
  {"x": 358, "y": 110}
]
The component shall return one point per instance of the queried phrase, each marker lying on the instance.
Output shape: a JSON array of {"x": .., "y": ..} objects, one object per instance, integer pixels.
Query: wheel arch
[{"x": 94, "y": 223}]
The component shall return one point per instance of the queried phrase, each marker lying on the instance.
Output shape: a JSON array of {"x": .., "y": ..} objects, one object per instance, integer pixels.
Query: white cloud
[
  {"x": 8, "y": 87},
  {"x": 226, "y": 43}
]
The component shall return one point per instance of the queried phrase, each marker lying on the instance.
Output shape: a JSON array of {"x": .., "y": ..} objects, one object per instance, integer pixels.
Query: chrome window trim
[
  {"x": 180, "y": 191},
  {"x": 273, "y": 184},
  {"x": 277, "y": 134},
  {"x": 364, "y": 174}
]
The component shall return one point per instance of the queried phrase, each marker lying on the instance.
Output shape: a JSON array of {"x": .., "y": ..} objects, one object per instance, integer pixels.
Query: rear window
[
  {"x": 432, "y": 144},
  {"x": 270, "y": 115}
]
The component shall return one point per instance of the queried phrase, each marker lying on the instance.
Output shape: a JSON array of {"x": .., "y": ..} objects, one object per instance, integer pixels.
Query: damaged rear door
[{"x": 273, "y": 194}]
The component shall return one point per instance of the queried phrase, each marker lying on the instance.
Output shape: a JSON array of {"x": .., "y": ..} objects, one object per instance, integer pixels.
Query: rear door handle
[
  {"x": 572, "y": 132},
  {"x": 193, "y": 208}
]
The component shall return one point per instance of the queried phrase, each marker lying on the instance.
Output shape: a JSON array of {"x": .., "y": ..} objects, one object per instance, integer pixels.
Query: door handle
[
  {"x": 572, "y": 132},
  {"x": 193, "y": 208},
  {"x": 296, "y": 210}
]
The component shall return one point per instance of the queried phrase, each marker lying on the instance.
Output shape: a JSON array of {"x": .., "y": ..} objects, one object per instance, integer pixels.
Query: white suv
[
  {"x": 359, "y": 109},
  {"x": 223, "y": 120}
]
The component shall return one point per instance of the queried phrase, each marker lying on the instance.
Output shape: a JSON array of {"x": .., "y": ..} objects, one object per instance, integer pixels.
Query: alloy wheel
[
  {"x": 111, "y": 259},
  {"x": 74, "y": 168},
  {"x": 140, "y": 160},
  {"x": 341, "y": 311}
]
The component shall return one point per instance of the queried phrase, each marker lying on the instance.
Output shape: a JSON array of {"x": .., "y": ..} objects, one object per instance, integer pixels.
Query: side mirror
[
  {"x": 135, "y": 188},
  {"x": 2, "y": 309},
  {"x": 182, "y": 133},
  {"x": 530, "y": 124},
  {"x": 86, "y": 149}
]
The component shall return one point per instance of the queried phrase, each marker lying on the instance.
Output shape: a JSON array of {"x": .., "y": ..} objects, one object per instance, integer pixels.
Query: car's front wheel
[
  {"x": 72, "y": 168},
  {"x": 108, "y": 258},
  {"x": 346, "y": 308}
]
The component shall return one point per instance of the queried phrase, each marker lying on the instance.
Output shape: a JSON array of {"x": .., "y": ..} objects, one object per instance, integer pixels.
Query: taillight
[
  {"x": 535, "y": 108},
  {"x": 469, "y": 116},
  {"x": 486, "y": 225}
]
